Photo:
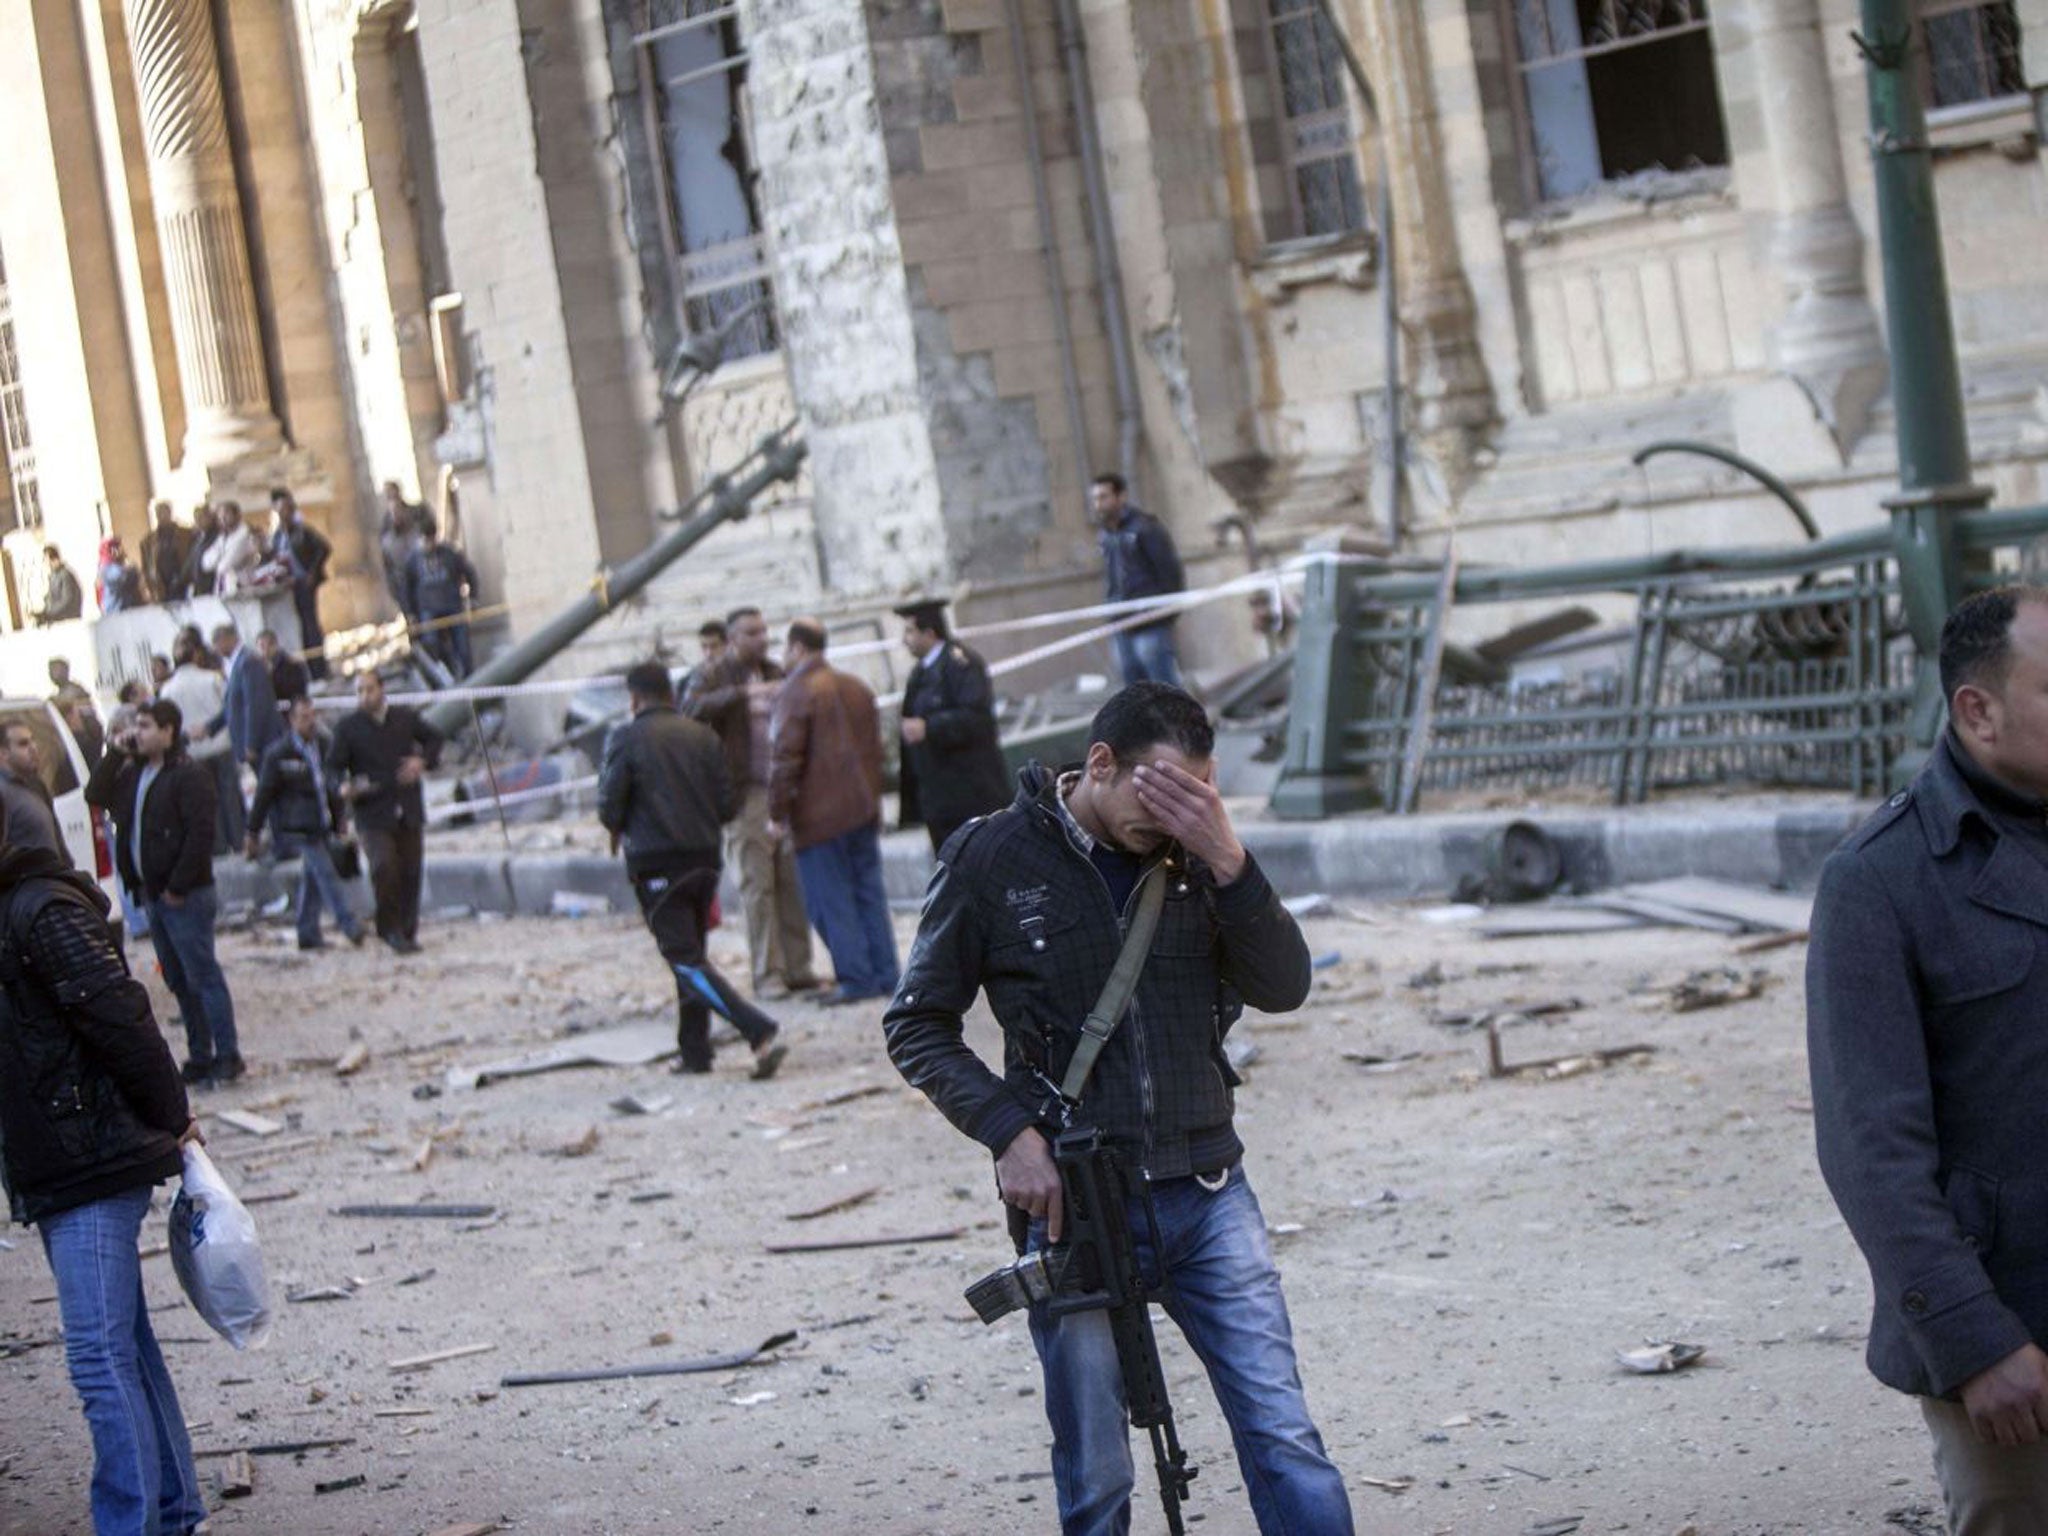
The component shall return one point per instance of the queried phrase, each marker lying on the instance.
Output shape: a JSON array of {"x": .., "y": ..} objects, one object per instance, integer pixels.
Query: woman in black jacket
[{"x": 92, "y": 1116}]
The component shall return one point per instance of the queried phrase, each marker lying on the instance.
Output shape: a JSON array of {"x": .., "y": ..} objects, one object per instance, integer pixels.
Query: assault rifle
[{"x": 1095, "y": 1267}]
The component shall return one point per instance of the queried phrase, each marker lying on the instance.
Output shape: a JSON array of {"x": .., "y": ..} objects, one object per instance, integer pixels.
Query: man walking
[
  {"x": 304, "y": 551},
  {"x": 292, "y": 784},
  {"x": 92, "y": 1116},
  {"x": 1138, "y": 560},
  {"x": 162, "y": 805},
  {"x": 1033, "y": 903},
  {"x": 663, "y": 794},
  {"x": 381, "y": 753},
  {"x": 166, "y": 551},
  {"x": 440, "y": 583},
  {"x": 825, "y": 787},
  {"x": 1925, "y": 987},
  {"x": 953, "y": 768},
  {"x": 30, "y": 816},
  {"x": 734, "y": 696}
]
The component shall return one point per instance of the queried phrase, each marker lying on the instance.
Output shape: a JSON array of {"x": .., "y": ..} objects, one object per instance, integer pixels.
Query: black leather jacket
[
  {"x": 664, "y": 790},
  {"x": 177, "y": 823},
  {"x": 1018, "y": 909},
  {"x": 90, "y": 1099}
]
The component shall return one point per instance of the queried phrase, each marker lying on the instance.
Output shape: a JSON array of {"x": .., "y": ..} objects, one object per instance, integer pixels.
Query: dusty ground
[{"x": 1463, "y": 1258}]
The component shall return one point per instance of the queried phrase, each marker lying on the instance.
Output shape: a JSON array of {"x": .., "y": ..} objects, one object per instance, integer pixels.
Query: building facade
[{"x": 552, "y": 265}]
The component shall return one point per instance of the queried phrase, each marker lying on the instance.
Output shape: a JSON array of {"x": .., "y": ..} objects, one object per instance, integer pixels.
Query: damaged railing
[{"x": 1768, "y": 667}]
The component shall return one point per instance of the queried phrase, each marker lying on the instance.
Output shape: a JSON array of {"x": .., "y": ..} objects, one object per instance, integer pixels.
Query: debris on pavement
[
  {"x": 1657, "y": 1358},
  {"x": 438, "y": 1212},
  {"x": 340, "y": 1484},
  {"x": 629, "y": 1045},
  {"x": 421, "y": 1362},
  {"x": 843, "y": 1203},
  {"x": 1556, "y": 1066},
  {"x": 1480, "y": 1018},
  {"x": 637, "y": 1104},
  {"x": 352, "y": 1060},
  {"x": 250, "y": 1124},
  {"x": 238, "y": 1477},
  {"x": 1716, "y": 988},
  {"x": 836, "y": 1244},
  {"x": 579, "y": 904},
  {"x": 580, "y": 1146},
  {"x": 723, "y": 1362}
]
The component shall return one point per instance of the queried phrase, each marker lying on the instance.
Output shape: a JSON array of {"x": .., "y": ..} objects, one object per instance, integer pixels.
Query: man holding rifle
[{"x": 1125, "y": 1075}]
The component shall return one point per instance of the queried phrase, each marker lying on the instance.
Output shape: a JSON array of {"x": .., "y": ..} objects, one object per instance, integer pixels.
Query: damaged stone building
[{"x": 979, "y": 250}]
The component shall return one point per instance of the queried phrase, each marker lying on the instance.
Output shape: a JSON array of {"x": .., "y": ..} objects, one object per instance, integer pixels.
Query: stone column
[
  {"x": 1828, "y": 339},
  {"x": 219, "y": 345},
  {"x": 1445, "y": 374}
]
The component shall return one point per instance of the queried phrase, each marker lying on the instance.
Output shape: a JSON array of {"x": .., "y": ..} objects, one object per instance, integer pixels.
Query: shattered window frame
[
  {"x": 1326, "y": 189},
  {"x": 725, "y": 282},
  {"x": 1970, "y": 55},
  {"x": 1564, "y": 154}
]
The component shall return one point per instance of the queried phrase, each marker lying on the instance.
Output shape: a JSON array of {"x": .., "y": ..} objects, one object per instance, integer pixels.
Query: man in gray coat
[{"x": 1926, "y": 988}]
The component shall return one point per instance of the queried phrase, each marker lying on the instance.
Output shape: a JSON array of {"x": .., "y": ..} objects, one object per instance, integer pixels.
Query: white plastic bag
[{"x": 214, "y": 1250}]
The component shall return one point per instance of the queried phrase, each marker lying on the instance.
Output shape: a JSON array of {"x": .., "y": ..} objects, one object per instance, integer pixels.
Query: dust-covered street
[{"x": 1464, "y": 1258}]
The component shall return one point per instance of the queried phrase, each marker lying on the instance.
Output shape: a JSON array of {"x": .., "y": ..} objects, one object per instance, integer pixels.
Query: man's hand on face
[
  {"x": 2008, "y": 1403},
  {"x": 1030, "y": 1179},
  {"x": 913, "y": 729},
  {"x": 1190, "y": 811}
]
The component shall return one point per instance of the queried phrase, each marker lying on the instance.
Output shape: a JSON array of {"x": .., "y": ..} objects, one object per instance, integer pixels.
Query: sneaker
[
  {"x": 316, "y": 944},
  {"x": 682, "y": 1068},
  {"x": 768, "y": 1056},
  {"x": 196, "y": 1071},
  {"x": 356, "y": 939},
  {"x": 226, "y": 1069}
]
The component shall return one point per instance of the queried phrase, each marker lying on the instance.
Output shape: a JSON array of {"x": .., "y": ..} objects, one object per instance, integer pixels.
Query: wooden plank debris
[
  {"x": 275, "y": 1448},
  {"x": 251, "y": 1124},
  {"x": 834, "y": 1245},
  {"x": 266, "y": 1196},
  {"x": 459, "y": 1352},
  {"x": 1541, "y": 919},
  {"x": 1556, "y": 1066},
  {"x": 238, "y": 1477},
  {"x": 843, "y": 1203},
  {"x": 844, "y": 1096},
  {"x": 473, "y": 1528},
  {"x": 1771, "y": 941},
  {"x": 440, "y": 1212},
  {"x": 1754, "y": 907},
  {"x": 342, "y": 1484},
  {"x": 723, "y": 1362}
]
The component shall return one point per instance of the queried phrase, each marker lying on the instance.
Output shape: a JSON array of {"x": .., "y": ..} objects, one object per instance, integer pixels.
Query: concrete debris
[
  {"x": 422, "y": 1362},
  {"x": 581, "y": 1146},
  {"x": 1656, "y": 1359},
  {"x": 352, "y": 1060},
  {"x": 636, "y": 1104},
  {"x": 579, "y": 904},
  {"x": 629, "y": 1045},
  {"x": 250, "y": 1124},
  {"x": 238, "y": 1477},
  {"x": 1716, "y": 988}
]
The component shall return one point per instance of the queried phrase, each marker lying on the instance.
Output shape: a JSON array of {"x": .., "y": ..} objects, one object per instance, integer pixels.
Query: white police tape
[{"x": 1127, "y": 613}]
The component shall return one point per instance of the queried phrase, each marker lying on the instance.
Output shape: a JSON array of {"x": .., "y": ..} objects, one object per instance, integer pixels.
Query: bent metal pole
[{"x": 780, "y": 455}]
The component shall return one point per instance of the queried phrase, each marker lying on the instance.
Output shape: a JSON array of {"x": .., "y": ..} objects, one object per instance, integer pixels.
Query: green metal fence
[{"x": 1767, "y": 667}]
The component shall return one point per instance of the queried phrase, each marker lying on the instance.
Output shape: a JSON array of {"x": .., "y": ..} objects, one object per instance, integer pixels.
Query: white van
[{"x": 64, "y": 773}]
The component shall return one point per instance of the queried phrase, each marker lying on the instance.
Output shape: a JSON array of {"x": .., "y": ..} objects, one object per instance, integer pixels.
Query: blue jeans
[
  {"x": 843, "y": 896},
  {"x": 1147, "y": 655},
  {"x": 143, "y": 1482},
  {"x": 231, "y": 816},
  {"x": 1225, "y": 1298},
  {"x": 319, "y": 881},
  {"x": 183, "y": 936}
]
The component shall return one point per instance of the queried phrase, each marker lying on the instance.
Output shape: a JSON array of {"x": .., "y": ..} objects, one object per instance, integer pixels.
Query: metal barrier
[{"x": 1777, "y": 667}]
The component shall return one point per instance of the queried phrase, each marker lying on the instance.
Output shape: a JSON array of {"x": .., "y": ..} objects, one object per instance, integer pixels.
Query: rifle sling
[{"x": 1108, "y": 1012}]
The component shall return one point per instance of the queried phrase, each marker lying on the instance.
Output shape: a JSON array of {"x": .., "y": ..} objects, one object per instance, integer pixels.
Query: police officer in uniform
[{"x": 952, "y": 767}]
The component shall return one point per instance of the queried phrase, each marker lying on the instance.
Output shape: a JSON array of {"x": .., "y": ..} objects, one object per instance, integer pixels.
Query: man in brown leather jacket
[
  {"x": 825, "y": 786},
  {"x": 733, "y": 695}
]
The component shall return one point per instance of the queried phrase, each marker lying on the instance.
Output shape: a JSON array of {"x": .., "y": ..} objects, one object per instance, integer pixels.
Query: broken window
[
  {"x": 1317, "y": 141},
  {"x": 693, "y": 71},
  {"x": 24, "y": 505},
  {"x": 1972, "y": 52},
  {"x": 1612, "y": 88}
]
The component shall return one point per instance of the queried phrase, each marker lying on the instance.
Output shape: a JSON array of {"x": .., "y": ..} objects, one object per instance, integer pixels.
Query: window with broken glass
[
  {"x": 1612, "y": 89},
  {"x": 1317, "y": 140},
  {"x": 1972, "y": 52},
  {"x": 22, "y": 503},
  {"x": 693, "y": 75}
]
